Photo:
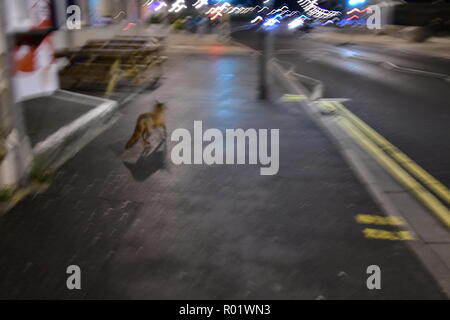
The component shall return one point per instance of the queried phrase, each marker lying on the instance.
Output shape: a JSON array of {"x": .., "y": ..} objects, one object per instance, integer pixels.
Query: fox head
[{"x": 160, "y": 106}]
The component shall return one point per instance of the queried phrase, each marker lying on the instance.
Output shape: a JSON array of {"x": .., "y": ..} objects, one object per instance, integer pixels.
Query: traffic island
[
  {"x": 58, "y": 127},
  {"x": 62, "y": 124}
]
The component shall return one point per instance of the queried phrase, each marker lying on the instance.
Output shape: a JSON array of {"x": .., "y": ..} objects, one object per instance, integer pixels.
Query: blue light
[
  {"x": 272, "y": 22},
  {"x": 354, "y": 3}
]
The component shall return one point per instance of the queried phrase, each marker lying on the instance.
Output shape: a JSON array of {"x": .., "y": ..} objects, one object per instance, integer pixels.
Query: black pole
[{"x": 262, "y": 66}]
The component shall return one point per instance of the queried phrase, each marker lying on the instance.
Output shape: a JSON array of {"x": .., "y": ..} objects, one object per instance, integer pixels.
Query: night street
[
  {"x": 224, "y": 155},
  {"x": 153, "y": 230}
]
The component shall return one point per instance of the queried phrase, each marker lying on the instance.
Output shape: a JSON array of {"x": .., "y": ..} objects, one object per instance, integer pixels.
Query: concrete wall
[
  {"x": 5, "y": 97},
  {"x": 15, "y": 149}
]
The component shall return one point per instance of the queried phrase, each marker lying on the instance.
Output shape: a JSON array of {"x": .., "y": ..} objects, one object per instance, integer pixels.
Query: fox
[{"x": 145, "y": 124}]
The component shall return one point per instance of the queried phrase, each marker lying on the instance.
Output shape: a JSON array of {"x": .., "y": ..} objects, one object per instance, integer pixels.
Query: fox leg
[
  {"x": 164, "y": 137},
  {"x": 138, "y": 132},
  {"x": 163, "y": 126},
  {"x": 145, "y": 136},
  {"x": 133, "y": 140}
]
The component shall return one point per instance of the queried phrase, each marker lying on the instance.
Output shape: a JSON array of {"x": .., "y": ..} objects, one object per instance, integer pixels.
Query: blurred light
[
  {"x": 154, "y": 5},
  {"x": 177, "y": 6},
  {"x": 161, "y": 4},
  {"x": 353, "y": 17},
  {"x": 272, "y": 21},
  {"x": 129, "y": 26},
  {"x": 274, "y": 11},
  {"x": 216, "y": 15},
  {"x": 225, "y": 6},
  {"x": 216, "y": 49},
  {"x": 293, "y": 13},
  {"x": 356, "y": 2},
  {"x": 257, "y": 19},
  {"x": 311, "y": 9},
  {"x": 328, "y": 22},
  {"x": 357, "y": 10},
  {"x": 147, "y": 3},
  {"x": 200, "y": 3},
  {"x": 298, "y": 22},
  {"x": 263, "y": 8},
  {"x": 217, "y": 12}
]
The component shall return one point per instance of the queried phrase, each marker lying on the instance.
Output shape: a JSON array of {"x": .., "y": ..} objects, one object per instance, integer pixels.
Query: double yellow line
[{"x": 413, "y": 177}]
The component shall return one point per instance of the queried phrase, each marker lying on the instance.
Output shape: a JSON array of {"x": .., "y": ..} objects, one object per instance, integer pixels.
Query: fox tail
[{"x": 133, "y": 140}]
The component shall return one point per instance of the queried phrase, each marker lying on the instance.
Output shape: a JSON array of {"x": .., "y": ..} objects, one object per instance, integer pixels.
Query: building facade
[{"x": 30, "y": 33}]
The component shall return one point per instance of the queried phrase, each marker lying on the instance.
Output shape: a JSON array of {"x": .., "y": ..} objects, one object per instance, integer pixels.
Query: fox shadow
[
  {"x": 142, "y": 165},
  {"x": 147, "y": 165}
]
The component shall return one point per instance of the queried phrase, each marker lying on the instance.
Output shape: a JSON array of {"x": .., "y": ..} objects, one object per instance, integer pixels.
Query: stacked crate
[{"x": 106, "y": 65}]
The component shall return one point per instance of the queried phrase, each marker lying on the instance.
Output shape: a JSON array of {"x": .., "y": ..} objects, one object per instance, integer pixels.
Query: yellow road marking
[
  {"x": 327, "y": 107},
  {"x": 379, "y": 220},
  {"x": 293, "y": 97},
  {"x": 416, "y": 170},
  {"x": 388, "y": 235},
  {"x": 428, "y": 199}
]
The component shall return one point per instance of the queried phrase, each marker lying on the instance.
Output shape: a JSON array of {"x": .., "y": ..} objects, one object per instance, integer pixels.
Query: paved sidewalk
[
  {"x": 187, "y": 43},
  {"x": 436, "y": 47},
  {"x": 154, "y": 230}
]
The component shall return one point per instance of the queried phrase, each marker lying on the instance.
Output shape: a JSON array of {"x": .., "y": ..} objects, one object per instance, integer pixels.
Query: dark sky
[
  {"x": 330, "y": 4},
  {"x": 327, "y": 4}
]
